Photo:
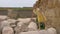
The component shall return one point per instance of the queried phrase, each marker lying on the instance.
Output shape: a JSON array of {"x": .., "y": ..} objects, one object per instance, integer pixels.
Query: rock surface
[
  {"x": 48, "y": 31},
  {"x": 7, "y": 30}
]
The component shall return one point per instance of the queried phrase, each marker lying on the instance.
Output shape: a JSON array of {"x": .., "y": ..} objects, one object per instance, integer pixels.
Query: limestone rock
[{"x": 7, "y": 30}]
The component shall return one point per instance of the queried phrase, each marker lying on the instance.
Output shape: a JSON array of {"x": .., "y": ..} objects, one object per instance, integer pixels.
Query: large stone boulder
[
  {"x": 7, "y": 30},
  {"x": 24, "y": 20},
  {"x": 52, "y": 31},
  {"x": 32, "y": 26},
  {"x": 21, "y": 27}
]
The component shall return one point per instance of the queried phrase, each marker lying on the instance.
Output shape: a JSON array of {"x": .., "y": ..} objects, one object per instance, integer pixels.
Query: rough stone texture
[
  {"x": 30, "y": 32},
  {"x": 7, "y": 30},
  {"x": 51, "y": 9},
  {"x": 51, "y": 31},
  {"x": 5, "y": 23},
  {"x": 24, "y": 20},
  {"x": 21, "y": 27},
  {"x": 48, "y": 31},
  {"x": 32, "y": 26},
  {"x": 3, "y": 17}
]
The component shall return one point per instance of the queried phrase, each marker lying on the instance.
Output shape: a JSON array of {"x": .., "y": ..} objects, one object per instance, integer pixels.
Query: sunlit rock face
[
  {"x": 7, "y": 30},
  {"x": 51, "y": 30},
  {"x": 32, "y": 26},
  {"x": 25, "y": 27},
  {"x": 3, "y": 17},
  {"x": 48, "y": 31},
  {"x": 24, "y": 20},
  {"x": 51, "y": 9},
  {"x": 8, "y": 22},
  {"x": 21, "y": 27}
]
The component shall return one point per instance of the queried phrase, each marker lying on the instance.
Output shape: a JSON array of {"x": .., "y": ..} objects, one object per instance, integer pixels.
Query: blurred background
[{"x": 13, "y": 8}]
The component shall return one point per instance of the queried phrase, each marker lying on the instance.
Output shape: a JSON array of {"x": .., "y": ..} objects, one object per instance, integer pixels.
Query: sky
[{"x": 17, "y": 3}]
